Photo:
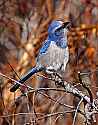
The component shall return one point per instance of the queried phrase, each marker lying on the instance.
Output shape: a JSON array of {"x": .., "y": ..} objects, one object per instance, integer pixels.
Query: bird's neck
[{"x": 60, "y": 41}]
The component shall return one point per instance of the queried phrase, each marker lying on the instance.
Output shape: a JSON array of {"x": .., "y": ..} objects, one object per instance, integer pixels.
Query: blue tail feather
[{"x": 25, "y": 77}]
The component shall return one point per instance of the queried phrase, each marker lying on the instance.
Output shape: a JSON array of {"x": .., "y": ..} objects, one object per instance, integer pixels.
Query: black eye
[{"x": 58, "y": 32}]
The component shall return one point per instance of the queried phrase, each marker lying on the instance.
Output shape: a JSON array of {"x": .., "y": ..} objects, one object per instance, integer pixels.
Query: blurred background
[{"x": 23, "y": 28}]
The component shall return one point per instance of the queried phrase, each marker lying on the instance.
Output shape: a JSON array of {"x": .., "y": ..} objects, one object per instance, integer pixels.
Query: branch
[{"x": 91, "y": 107}]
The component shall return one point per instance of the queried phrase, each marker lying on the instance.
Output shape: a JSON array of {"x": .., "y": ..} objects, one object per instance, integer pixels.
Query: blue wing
[{"x": 44, "y": 47}]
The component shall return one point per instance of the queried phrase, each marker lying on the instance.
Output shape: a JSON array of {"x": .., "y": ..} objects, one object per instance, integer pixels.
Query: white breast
[{"x": 55, "y": 57}]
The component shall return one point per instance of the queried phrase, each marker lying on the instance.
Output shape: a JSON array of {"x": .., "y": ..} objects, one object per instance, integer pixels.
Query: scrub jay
[{"x": 53, "y": 55}]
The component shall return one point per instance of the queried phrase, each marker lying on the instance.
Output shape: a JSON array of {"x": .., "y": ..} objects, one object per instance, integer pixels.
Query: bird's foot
[
  {"x": 50, "y": 70},
  {"x": 55, "y": 77}
]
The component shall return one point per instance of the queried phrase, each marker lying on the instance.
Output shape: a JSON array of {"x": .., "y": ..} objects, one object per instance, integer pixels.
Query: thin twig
[
  {"x": 65, "y": 105},
  {"x": 53, "y": 107},
  {"x": 34, "y": 116},
  {"x": 50, "y": 115},
  {"x": 15, "y": 81},
  {"x": 77, "y": 111},
  {"x": 28, "y": 106},
  {"x": 17, "y": 114}
]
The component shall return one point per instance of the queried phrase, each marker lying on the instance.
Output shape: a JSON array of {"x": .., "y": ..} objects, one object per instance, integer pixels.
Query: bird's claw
[{"x": 50, "y": 70}]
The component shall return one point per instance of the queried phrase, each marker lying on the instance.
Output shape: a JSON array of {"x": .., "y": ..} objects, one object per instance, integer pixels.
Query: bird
[{"x": 54, "y": 53}]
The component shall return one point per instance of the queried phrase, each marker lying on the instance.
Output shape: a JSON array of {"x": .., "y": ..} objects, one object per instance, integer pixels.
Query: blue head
[{"x": 57, "y": 32}]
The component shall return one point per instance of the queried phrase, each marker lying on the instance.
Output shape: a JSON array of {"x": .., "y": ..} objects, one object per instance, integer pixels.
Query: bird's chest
[
  {"x": 54, "y": 56},
  {"x": 55, "y": 53}
]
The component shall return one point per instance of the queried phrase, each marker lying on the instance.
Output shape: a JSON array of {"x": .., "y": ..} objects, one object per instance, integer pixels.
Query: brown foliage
[{"x": 23, "y": 28}]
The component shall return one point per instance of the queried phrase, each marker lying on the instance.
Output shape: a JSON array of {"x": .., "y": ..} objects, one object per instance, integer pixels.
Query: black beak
[{"x": 67, "y": 25}]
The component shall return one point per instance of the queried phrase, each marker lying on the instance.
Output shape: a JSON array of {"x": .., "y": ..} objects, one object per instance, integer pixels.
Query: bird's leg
[
  {"x": 50, "y": 70},
  {"x": 55, "y": 76},
  {"x": 58, "y": 79}
]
